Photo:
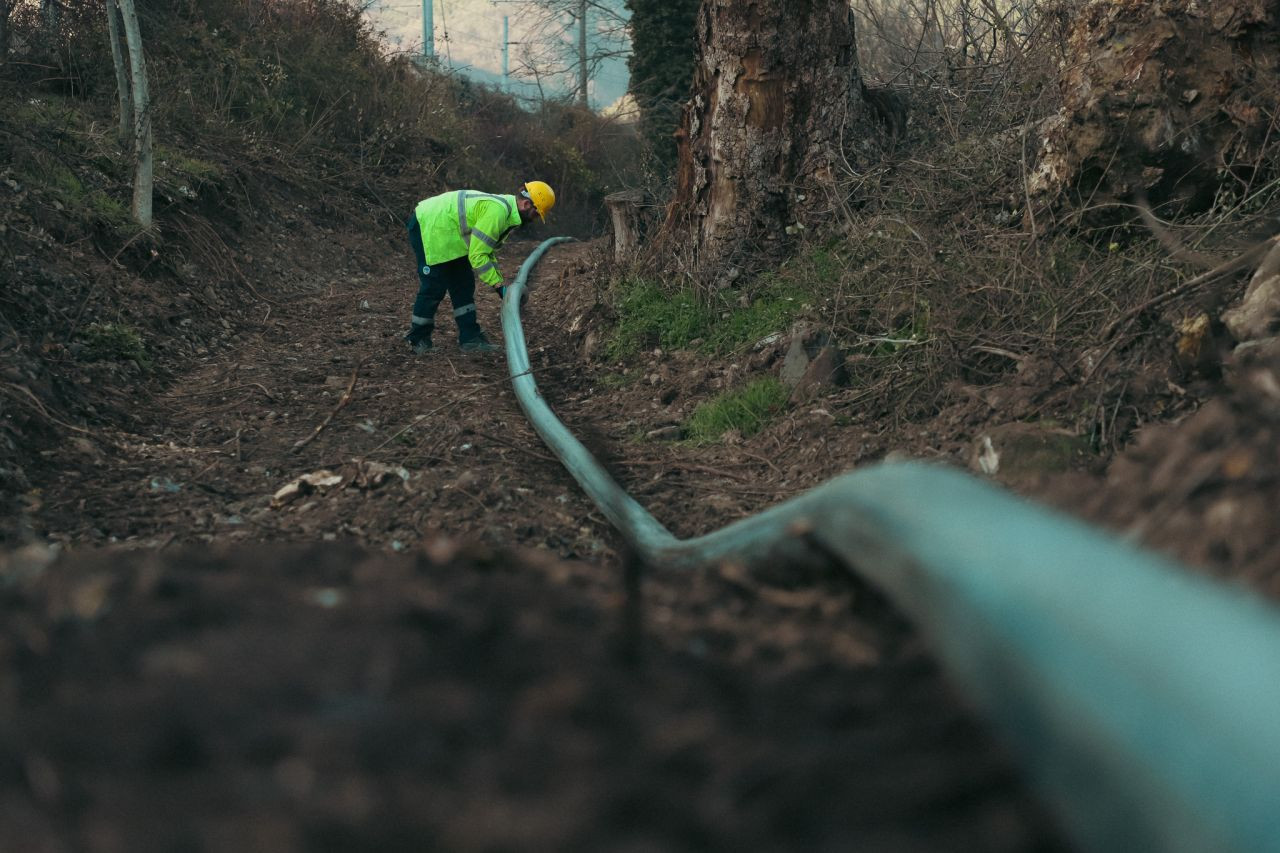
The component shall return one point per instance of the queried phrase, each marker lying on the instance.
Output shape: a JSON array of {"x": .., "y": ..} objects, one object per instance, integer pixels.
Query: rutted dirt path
[
  {"x": 495, "y": 686},
  {"x": 423, "y": 445}
]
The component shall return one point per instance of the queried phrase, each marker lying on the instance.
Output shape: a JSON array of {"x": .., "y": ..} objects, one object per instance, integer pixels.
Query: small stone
[
  {"x": 327, "y": 597},
  {"x": 666, "y": 433}
]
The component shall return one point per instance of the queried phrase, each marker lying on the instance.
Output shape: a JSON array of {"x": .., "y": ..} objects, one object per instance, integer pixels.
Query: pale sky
[{"x": 469, "y": 33}]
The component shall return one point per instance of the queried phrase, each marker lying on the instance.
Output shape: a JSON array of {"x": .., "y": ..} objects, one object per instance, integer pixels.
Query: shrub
[{"x": 114, "y": 342}]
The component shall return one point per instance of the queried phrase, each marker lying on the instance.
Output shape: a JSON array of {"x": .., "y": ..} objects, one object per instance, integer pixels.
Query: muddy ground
[
  {"x": 319, "y": 697},
  {"x": 310, "y": 592}
]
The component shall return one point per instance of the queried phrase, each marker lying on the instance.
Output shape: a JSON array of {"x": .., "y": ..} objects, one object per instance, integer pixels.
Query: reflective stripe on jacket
[{"x": 465, "y": 222}]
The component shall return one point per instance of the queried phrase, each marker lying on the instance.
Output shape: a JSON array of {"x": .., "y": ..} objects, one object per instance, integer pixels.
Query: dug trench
[{"x": 323, "y": 595}]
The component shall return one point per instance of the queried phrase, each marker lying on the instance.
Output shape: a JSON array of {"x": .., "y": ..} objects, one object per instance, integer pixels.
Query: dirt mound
[
  {"x": 1203, "y": 490},
  {"x": 324, "y": 697}
]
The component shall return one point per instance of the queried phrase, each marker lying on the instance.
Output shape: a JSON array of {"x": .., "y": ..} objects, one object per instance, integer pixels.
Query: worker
[{"x": 454, "y": 236}]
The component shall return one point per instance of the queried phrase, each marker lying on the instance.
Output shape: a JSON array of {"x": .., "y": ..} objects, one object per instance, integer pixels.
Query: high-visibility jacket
[{"x": 467, "y": 223}]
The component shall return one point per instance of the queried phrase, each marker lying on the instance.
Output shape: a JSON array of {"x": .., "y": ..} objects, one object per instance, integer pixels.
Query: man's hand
[{"x": 524, "y": 295}]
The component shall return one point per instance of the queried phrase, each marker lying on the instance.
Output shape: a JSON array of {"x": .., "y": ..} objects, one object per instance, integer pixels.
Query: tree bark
[
  {"x": 777, "y": 113},
  {"x": 1172, "y": 98},
  {"x": 143, "y": 166},
  {"x": 123, "y": 86}
]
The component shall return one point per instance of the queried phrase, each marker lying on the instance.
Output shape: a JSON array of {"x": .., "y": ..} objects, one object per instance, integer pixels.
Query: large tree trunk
[
  {"x": 143, "y": 165},
  {"x": 1170, "y": 97},
  {"x": 777, "y": 111}
]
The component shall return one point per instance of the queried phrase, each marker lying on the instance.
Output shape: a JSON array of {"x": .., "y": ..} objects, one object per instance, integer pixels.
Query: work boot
[
  {"x": 419, "y": 343},
  {"x": 477, "y": 344}
]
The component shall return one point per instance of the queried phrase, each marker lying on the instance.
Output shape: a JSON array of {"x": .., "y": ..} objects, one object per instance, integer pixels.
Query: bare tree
[
  {"x": 777, "y": 110},
  {"x": 135, "y": 100},
  {"x": 571, "y": 38}
]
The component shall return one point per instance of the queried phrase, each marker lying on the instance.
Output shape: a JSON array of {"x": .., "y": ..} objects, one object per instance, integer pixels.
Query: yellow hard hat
[{"x": 542, "y": 196}]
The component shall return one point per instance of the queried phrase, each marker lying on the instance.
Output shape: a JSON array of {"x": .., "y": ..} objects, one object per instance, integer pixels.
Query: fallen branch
[
  {"x": 1250, "y": 256},
  {"x": 765, "y": 459},
  {"x": 342, "y": 402},
  {"x": 1169, "y": 240},
  {"x": 40, "y": 408}
]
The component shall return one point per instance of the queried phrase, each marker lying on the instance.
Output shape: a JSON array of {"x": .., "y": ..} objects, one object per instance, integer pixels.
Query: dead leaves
[{"x": 360, "y": 474}]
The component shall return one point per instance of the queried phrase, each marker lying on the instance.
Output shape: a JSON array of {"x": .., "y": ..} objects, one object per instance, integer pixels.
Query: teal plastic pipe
[{"x": 1142, "y": 699}]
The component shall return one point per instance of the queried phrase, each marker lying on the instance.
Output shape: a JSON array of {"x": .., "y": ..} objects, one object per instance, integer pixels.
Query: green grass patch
[
  {"x": 114, "y": 342},
  {"x": 182, "y": 166},
  {"x": 614, "y": 381},
  {"x": 48, "y": 112},
  {"x": 67, "y": 185},
  {"x": 113, "y": 212},
  {"x": 83, "y": 201},
  {"x": 773, "y": 310},
  {"x": 650, "y": 315},
  {"x": 746, "y": 410}
]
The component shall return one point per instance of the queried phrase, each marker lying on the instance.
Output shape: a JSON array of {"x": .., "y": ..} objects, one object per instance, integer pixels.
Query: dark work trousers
[{"x": 453, "y": 277}]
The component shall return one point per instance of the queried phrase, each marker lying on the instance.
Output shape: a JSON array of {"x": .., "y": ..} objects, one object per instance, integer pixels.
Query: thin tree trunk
[
  {"x": 49, "y": 13},
  {"x": 777, "y": 112},
  {"x": 582, "y": 53},
  {"x": 6, "y": 9},
  {"x": 123, "y": 86},
  {"x": 142, "y": 178}
]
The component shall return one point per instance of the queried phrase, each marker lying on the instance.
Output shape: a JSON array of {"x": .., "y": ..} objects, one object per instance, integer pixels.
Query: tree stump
[{"x": 626, "y": 211}]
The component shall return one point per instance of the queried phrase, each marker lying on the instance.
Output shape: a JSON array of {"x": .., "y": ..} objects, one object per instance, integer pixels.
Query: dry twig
[
  {"x": 420, "y": 418},
  {"x": 210, "y": 391},
  {"x": 687, "y": 466},
  {"x": 522, "y": 448},
  {"x": 1250, "y": 256},
  {"x": 345, "y": 399}
]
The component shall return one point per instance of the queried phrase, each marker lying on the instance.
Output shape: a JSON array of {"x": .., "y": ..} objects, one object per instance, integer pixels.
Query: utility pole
[
  {"x": 506, "y": 68},
  {"x": 428, "y": 29}
]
